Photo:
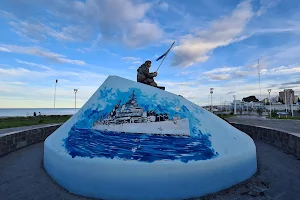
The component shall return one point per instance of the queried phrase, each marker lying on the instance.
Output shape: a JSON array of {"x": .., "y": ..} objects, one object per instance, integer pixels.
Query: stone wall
[
  {"x": 289, "y": 142},
  {"x": 15, "y": 140}
]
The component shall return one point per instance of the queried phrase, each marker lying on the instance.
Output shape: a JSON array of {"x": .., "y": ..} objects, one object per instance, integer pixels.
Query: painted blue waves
[{"x": 140, "y": 147}]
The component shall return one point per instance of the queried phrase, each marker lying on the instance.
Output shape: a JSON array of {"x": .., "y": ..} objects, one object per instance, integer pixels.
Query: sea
[
  {"x": 23, "y": 112},
  {"x": 139, "y": 147}
]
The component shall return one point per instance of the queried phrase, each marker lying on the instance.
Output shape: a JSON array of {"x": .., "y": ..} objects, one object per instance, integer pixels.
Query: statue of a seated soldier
[{"x": 144, "y": 76}]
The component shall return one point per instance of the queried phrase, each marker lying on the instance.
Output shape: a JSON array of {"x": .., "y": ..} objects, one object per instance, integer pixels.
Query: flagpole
[{"x": 165, "y": 56}]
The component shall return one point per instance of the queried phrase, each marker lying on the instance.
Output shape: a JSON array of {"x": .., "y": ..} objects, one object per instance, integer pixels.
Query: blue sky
[{"x": 80, "y": 43}]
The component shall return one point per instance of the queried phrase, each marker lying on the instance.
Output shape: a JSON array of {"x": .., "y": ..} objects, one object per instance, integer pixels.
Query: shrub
[
  {"x": 274, "y": 113},
  {"x": 259, "y": 111}
]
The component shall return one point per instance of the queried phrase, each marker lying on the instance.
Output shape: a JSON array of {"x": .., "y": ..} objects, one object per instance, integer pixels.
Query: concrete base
[{"x": 216, "y": 156}]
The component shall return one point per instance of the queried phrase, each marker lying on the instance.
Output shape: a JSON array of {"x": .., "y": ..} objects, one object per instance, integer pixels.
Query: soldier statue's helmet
[{"x": 148, "y": 62}]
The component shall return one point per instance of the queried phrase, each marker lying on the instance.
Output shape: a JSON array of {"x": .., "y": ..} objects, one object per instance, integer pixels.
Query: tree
[
  {"x": 250, "y": 98},
  {"x": 259, "y": 111},
  {"x": 274, "y": 113},
  {"x": 250, "y": 109}
]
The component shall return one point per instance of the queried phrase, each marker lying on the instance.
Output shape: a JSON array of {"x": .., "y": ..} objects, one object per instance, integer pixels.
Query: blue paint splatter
[{"x": 140, "y": 147}]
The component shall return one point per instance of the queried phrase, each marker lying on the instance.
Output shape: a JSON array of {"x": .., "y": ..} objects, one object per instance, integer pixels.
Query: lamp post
[
  {"x": 285, "y": 101},
  {"x": 269, "y": 90},
  {"x": 75, "y": 91},
  {"x": 221, "y": 103},
  {"x": 55, "y": 94},
  {"x": 211, "y": 103},
  {"x": 292, "y": 102},
  {"x": 234, "y": 112}
]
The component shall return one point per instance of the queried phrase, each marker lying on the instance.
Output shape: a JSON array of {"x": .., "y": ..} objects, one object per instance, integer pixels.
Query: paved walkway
[
  {"x": 279, "y": 124},
  {"x": 24, "y": 128},
  {"x": 278, "y": 177}
]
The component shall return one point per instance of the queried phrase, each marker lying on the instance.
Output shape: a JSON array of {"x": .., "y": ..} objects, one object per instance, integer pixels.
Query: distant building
[
  {"x": 296, "y": 98},
  {"x": 287, "y": 95},
  {"x": 275, "y": 99}
]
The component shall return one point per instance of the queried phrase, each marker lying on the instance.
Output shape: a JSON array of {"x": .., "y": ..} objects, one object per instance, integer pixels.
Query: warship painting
[{"x": 130, "y": 118}]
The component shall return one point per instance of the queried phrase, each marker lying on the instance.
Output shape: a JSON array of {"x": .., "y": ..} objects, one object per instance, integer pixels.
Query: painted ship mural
[{"x": 130, "y": 118}]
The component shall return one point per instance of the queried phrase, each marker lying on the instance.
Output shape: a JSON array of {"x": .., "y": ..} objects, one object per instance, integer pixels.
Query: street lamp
[
  {"x": 211, "y": 92},
  {"x": 285, "y": 100},
  {"x": 221, "y": 98},
  {"x": 75, "y": 91},
  {"x": 269, "y": 90},
  {"x": 55, "y": 95},
  {"x": 234, "y": 112},
  {"x": 292, "y": 102}
]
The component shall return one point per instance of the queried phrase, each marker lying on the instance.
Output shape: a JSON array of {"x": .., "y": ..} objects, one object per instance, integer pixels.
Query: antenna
[{"x": 258, "y": 67}]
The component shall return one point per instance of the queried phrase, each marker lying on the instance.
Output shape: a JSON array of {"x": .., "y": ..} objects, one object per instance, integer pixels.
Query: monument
[{"x": 134, "y": 141}]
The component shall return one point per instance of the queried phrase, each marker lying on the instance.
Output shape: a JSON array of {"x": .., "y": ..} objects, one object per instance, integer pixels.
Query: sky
[{"x": 218, "y": 44}]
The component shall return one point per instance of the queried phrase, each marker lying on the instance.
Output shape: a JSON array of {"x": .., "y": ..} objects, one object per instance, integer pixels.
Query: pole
[
  {"x": 75, "y": 91},
  {"x": 165, "y": 55},
  {"x": 259, "y": 78},
  {"x": 285, "y": 101},
  {"x": 234, "y": 112},
  {"x": 269, "y": 90},
  {"x": 221, "y": 103},
  {"x": 292, "y": 102},
  {"x": 211, "y": 102},
  {"x": 55, "y": 94}
]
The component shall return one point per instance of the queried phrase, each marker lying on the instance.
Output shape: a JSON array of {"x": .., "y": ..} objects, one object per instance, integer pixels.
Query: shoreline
[{"x": 1, "y": 117}]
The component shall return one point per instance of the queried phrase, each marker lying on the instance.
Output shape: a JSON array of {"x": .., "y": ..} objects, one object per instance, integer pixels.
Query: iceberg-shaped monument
[{"x": 134, "y": 141}]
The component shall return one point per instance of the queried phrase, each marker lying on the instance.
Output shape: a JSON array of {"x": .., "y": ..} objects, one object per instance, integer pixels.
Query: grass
[
  {"x": 11, "y": 122},
  {"x": 224, "y": 116}
]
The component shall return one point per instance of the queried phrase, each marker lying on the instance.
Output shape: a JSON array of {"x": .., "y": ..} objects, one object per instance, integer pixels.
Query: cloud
[
  {"x": 13, "y": 72},
  {"x": 291, "y": 83},
  {"x": 265, "y": 5},
  {"x": 84, "y": 50},
  {"x": 13, "y": 82},
  {"x": 132, "y": 67},
  {"x": 163, "y": 5},
  {"x": 133, "y": 60},
  {"x": 142, "y": 33},
  {"x": 283, "y": 70},
  {"x": 197, "y": 47},
  {"x": 294, "y": 29},
  {"x": 174, "y": 84},
  {"x": 37, "y": 31},
  {"x": 225, "y": 73},
  {"x": 39, "y": 86},
  {"x": 80, "y": 77},
  {"x": 130, "y": 58},
  {"x": 117, "y": 21},
  {"x": 7, "y": 15},
  {"x": 37, "y": 51},
  {"x": 33, "y": 64},
  {"x": 4, "y": 49},
  {"x": 228, "y": 93}
]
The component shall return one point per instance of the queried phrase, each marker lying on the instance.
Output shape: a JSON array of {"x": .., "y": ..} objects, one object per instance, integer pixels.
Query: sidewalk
[
  {"x": 279, "y": 124},
  {"x": 23, "y": 177},
  {"x": 24, "y": 128}
]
